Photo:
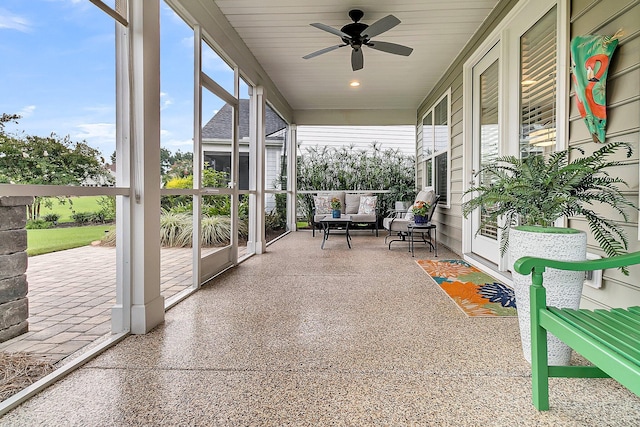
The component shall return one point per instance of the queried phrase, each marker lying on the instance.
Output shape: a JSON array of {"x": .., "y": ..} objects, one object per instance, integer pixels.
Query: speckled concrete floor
[{"x": 303, "y": 336}]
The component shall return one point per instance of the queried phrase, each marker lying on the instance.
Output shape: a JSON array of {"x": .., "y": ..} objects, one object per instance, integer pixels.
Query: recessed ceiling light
[{"x": 354, "y": 84}]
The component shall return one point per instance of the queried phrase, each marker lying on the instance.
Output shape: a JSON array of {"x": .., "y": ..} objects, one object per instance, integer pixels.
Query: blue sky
[{"x": 58, "y": 72}]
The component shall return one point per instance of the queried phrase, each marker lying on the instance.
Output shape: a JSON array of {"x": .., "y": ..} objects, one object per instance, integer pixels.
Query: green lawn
[
  {"x": 58, "y": 239},
  {"x": 79, "y": 204}
]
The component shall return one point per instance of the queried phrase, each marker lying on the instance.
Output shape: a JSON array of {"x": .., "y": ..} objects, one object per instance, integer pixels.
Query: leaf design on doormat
[{"x": 497, "y": 292}]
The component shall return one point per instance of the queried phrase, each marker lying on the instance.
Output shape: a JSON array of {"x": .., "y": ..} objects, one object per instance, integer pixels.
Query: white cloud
[
  {"x": 165, "y": 100},
  {"x": 188, "y": 42},
  {"x": 97, "y": 132},
  {"x": 27, "y": 111},
  {"x": 11, "y": 21},
  {"x": 183, "y": 144}
]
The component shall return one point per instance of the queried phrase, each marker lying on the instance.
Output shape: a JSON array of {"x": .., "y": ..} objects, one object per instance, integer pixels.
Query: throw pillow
[
  {"x": 352, "y": 203},
  {"x": 367, "y": 205},
  {"x": 322, "y": 204}
]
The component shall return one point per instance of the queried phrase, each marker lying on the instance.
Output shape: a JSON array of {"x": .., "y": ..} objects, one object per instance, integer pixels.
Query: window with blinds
[
  {"x": 435, "y": 148},
  {"x": 538, "y": 87},
  {"x": 489, "y": 139}
]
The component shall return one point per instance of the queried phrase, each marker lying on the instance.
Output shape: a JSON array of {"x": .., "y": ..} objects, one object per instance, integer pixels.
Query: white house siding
[
  {"x": 449, "y": 220},
  {"x": 623, "y": 109},
  {"x": 401, "y": 137},
  {"x": 623, "y": 112},
  {"x": 273, "y": 153}
]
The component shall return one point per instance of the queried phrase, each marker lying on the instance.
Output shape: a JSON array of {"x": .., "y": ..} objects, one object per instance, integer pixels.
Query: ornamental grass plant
[{"x": 349, "y": 169}]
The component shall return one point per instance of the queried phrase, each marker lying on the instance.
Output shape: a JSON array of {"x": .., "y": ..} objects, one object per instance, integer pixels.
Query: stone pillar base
[{"x": 14, "y": 306}]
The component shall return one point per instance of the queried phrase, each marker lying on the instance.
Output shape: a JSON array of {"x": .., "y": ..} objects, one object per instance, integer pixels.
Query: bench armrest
[{"x": 526, "y": 265}]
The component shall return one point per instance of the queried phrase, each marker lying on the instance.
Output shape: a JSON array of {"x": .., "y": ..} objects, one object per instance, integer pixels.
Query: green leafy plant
[
  {"x": 335, "y": 204},
  {"x": 51, "y": 217},
  {"x": 83, "y": 217},
  {"x": 537, "y": 190},
  {"x": 107, "y": 208},
  {"x": 38, "y": 224}
]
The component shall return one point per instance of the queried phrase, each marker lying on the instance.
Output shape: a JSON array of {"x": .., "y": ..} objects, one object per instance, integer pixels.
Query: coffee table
[
  {"x": 414, "y": 228},
  {"x": 329, "y": 222}
]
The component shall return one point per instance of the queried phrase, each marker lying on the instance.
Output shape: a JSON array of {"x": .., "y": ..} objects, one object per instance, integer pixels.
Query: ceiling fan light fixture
[{"x": 356, "y": 35}]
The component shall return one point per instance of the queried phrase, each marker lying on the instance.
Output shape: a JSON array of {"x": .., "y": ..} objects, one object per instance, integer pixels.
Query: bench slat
[
  {"x": 629, "y": 315},
  {"x": 606, "y": 335},
  {"x": 609, "y": 361},
  {"x": 617, "y": 325},
  {"x": 604, "y": 315}
]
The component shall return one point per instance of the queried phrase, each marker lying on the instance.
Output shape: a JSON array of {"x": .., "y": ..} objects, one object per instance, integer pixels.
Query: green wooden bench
[{"x": 609, "y": 339}]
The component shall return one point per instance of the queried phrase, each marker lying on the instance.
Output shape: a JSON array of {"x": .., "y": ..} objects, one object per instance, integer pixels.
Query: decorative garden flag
[{"x": 590, "y": 56}]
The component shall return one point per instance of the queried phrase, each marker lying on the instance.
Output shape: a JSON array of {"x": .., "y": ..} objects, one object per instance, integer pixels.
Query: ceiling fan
[{"x": 357, "y": 34}]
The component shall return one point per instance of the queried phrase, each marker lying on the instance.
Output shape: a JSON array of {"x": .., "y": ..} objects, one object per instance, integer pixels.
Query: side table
[{"x": 414, "y": 228}]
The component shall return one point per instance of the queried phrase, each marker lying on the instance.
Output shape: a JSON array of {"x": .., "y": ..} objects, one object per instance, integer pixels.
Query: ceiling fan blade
[
  {"x": 330, "y": 30},
  {"x": 380, "y": 26},
  {"x": 325, "y": 50},
  {"x": 396, "y": 49},
  {"x": 357, "y": 59}
]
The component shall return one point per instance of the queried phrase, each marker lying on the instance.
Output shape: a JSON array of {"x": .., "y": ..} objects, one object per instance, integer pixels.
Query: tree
[
  {"x": 180, "y": 165},
  {"x": 48, "y": 160},
  {"x": 172, "y": 165}
]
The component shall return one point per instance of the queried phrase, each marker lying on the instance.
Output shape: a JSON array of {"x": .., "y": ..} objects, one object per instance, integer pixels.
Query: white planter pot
[{"x": 564, "y": 288}]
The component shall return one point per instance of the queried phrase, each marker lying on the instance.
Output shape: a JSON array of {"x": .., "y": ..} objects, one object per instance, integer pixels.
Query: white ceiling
[{"x": 278, "y": 34}]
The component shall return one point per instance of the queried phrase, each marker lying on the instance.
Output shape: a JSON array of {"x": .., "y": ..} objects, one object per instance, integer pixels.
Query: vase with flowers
[
  {"x": 335, "y": 207},
  {"x": 420, "y": 211}
]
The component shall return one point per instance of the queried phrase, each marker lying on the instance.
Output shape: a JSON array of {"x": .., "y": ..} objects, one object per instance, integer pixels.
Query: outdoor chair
[{"x": 398, "y": 227}]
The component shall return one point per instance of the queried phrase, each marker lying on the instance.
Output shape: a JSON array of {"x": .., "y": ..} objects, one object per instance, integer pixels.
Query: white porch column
[
  {"x": 260, "y": 153},
  {"x": 120, "y": 313},
  {"x": 147, "y": 306},
  {"x": 292, "y": 177}
]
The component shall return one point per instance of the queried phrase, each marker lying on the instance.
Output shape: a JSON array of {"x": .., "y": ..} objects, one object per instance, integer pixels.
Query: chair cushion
[
  {"x": 396, "y": 224},
  {"x": 367, "y": 205},
  {"x": 363, "y": 217}
]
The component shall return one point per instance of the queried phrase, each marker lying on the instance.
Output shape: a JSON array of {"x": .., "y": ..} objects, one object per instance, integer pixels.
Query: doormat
[{"x": 475, "y": 292}]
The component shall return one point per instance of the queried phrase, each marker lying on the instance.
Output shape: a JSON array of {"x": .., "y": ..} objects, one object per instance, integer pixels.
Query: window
[
  {"x": 538, "y": 87},
  {"x": 436, "y": 144},
  {"x": 222, "y": 163}
]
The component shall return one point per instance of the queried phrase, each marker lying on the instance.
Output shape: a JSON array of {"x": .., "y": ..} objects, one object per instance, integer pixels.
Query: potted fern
[{"x": 526, "y": 196}]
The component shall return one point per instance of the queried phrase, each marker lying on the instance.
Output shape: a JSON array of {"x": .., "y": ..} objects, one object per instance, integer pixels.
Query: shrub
[
  {"x": 107, "y": 210},
  {"x": 38, "y": 224},
  {"x": 172, "y": 227},
  {"x": 176, "y": 229},
  {"x": 328, "y": 168},
  {"x": 51, "y": 217},
  {"x": 83, "y": 217}
]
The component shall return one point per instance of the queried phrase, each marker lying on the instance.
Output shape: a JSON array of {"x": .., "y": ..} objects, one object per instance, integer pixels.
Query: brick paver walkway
[{"x": 71, "y": 294}]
